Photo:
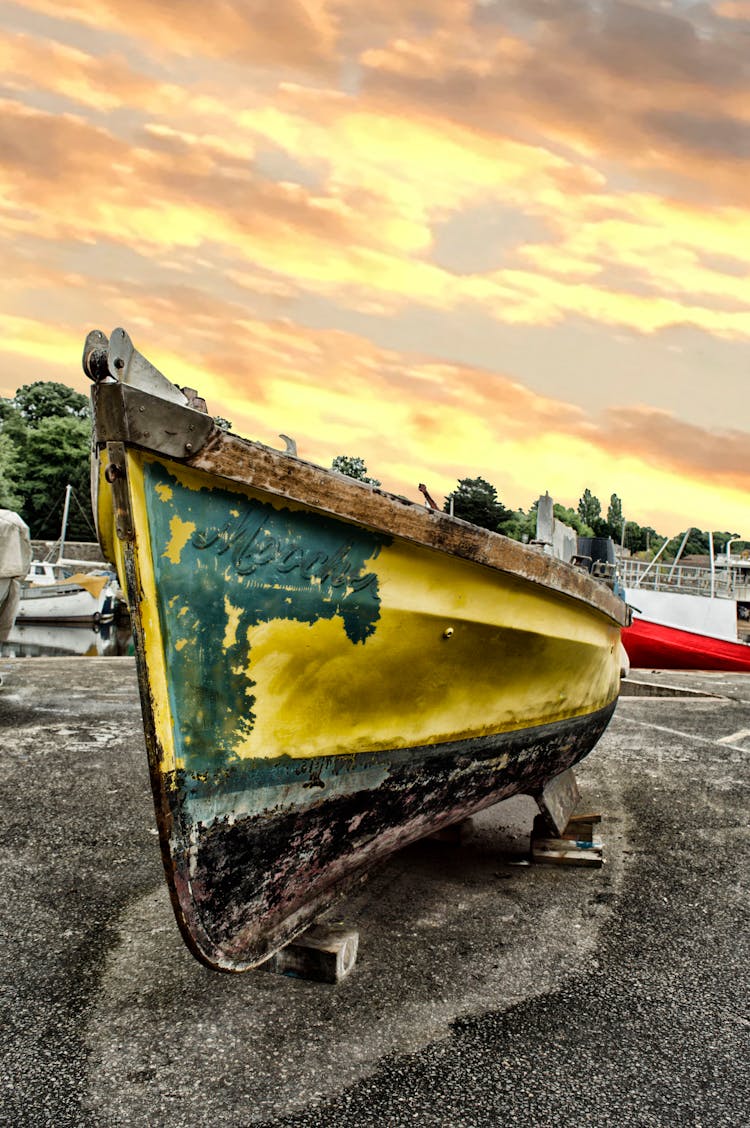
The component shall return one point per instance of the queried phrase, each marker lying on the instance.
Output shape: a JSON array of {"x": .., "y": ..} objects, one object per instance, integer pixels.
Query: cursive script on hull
[
  {"x": 245, "y": 563},
  {"x": 253, "y": 547}
]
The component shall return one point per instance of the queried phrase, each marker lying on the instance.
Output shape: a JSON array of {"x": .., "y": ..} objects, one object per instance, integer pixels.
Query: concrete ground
[{"x": 486, "y": 992}]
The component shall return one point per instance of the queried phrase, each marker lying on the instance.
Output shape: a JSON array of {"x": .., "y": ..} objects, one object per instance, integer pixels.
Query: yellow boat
[{"x": 327, "y": 671}]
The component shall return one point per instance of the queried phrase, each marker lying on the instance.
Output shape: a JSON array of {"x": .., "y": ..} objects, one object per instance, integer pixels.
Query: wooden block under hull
[
  {"x": 326, "y": 954},
  {"x": 558, "y": 799},
  {"x": 567, "y": 856},
  {"x": 575, "y": 846}
]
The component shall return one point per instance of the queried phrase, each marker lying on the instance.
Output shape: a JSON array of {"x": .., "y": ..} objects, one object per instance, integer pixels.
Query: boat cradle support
[{"x": 558, "y": 799}]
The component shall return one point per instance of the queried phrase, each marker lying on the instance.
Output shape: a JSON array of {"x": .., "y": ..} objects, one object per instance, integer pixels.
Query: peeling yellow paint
[
  {"x": 294, "y": 670},
  {"x": 149, "y": 617},
  {"x": 181, "y": 534},
  {"x": 164, "y": 491},
  {"x": 233, "y": 622},
  {"x": 181, "y": 644}
]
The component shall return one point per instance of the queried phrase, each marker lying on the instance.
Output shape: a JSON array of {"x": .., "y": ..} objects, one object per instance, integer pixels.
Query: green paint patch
[{"x": 245, "y": 563}]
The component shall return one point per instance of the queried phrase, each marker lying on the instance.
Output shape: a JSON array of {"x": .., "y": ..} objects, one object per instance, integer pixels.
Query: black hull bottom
[{"x": 243, "y": 885}]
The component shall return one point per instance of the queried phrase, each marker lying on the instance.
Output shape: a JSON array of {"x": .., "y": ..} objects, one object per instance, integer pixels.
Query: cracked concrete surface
[{"x": 486, "y": 992}]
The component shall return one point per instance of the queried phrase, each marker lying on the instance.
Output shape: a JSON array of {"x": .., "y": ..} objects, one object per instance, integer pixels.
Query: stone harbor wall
[{"x": 74, "y": 550}]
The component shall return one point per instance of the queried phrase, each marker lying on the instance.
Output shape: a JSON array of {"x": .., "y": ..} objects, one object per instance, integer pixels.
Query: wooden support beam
[
  {"x": 581, "y": 827},
  {"x": 557, "y": 853},
  {"x": 326, "y": 953},
  {"x": 575, "y": 846}
]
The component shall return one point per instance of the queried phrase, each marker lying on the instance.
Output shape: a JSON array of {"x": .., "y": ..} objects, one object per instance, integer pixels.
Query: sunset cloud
[
  {"x": 103, "y": 84},
  {"x": 620, "y": 81},
  {"x": 293, "y": 33},
  {"x": 368, "y": 231},
  {"x": 413, "y": 418},
  {"x": 734, "y": 9},
  {"x": 265, "y": 195}
]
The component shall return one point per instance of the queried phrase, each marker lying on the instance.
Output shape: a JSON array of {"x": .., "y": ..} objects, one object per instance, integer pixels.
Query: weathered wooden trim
[
  {"x": 252, "y": 464},
  {"x": 117, "y": 475},
  {"x": 131, "y": 416}
]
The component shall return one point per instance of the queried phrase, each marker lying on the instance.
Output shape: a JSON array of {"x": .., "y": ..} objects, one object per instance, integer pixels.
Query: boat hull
[
  {"x": 245, "y": 886},
  {"x": 663, "y": 647},
  {"x": 319, "y": 694},
  {"x": 64, "y": 603}
]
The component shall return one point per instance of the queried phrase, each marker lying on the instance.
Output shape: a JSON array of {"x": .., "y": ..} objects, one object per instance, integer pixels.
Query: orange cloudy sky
[{"x": 503, "y": 238}]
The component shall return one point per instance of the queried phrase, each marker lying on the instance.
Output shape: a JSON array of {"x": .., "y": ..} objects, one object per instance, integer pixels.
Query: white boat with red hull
[{"x": 688, "y": 617}]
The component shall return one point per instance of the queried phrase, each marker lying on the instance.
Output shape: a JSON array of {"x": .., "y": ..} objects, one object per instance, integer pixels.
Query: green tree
[
  {"x": 475, "y": 500},
  {"x": 13, "y": 424},
  {"x": 589, "y": 508},
  {"x": 720, "y": 540},
  {"x": 698, "y": 542},
  {"x": 570, "y": 517},
  {"x": 521, "y": 526},
  {"x": 638, "y": 538},
  {"x": 353, "y": 467},
  {"x": 46, "y": 399},
  {"x": 10, "y": 496},
  {"x": 57, "y": 454},
  {"x": 615, "y": 517},
  {"x": 13, "y": 438}
]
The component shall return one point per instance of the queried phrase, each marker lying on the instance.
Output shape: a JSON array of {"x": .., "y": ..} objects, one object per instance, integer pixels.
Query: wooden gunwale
[{"x": 250, "y": 463}]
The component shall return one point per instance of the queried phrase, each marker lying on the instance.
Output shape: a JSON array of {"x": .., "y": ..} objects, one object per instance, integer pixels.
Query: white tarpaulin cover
[
  {"x": 15, "y": 559},
  {"x": 15, "y": 546}
]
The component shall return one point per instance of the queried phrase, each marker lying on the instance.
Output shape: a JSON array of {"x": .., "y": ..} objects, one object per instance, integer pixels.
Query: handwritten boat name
[{"x": 253, "y": 546}]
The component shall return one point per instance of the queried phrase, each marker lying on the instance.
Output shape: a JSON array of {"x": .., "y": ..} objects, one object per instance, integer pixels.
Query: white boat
[
  {"x": 15, "y": 559},
  {"x": 61, "y": 591},
  {"x": 84, "y": 597},
  {"x": 688, "y": 616}
]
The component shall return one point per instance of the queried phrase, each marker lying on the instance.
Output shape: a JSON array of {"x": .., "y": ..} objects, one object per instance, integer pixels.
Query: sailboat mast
[{"x": 64, "y": 529}]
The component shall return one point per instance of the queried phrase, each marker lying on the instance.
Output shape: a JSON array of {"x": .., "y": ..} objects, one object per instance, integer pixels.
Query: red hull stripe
[{"x": 667, "y": 648}]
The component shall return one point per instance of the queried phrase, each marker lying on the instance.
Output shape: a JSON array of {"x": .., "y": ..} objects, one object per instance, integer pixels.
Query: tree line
[
  {"x": 45, "y": 442},
  {"x": 476, "y": 500}
]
